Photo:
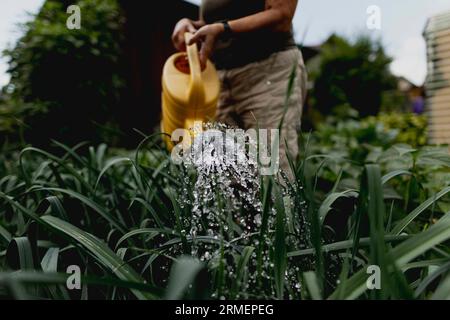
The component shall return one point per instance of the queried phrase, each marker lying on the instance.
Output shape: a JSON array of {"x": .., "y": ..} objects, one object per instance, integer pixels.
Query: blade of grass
[
  {"x": 19, "y": 254},
  {"x": 109, "y": 165},
  {"x": 151, "y": 232},
  {"x": 280, "y": 244},
  {"x": 312, "y": 283},
  {"x": 5, "y": 234},
  {"x": 182, "y": 275},
  {"x": 240, "y": 270},
  {"x": 326, "y": 205},
  {"x": 430, "y": 278},
  {"x": 91, "y": 204},
  {"x": 49, "y": 262},
  {"x": 344, "y": 245},
  {"x": 267, "y": 190},
  {"x": 377, "y": 213},
  {"x": 60, "y": 162},
  {"x": 443, "y": 291},
  {"x": 386, "y": 178},
  {"x": 415, "y": 213},
  {"x": 402, "y": 254},
  {"x": 101, "y": 252}
]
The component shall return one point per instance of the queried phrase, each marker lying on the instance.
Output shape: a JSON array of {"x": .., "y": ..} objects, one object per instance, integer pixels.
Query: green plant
[
  {"x": 117, "y": 218},
  {"x": 350, "y": 144},
  {"x": 410, "y": 128},
  {"x": 352, "y": 73},
  {"x": 70, "y": 77}
]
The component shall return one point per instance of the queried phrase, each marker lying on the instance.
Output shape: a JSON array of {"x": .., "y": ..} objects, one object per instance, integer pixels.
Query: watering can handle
[{"x": 196, "y": 91}]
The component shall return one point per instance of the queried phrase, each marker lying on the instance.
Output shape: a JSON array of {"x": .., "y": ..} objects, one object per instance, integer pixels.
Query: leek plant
[{"x": 120, "y": 220}]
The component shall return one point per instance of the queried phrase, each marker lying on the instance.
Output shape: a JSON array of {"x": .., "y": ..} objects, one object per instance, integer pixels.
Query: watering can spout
[{"x": 190, "y": 94}]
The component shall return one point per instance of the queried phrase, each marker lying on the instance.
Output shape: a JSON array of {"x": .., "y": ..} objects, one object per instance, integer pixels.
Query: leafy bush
[
  {"x": 350, "y": 73},
  {"x": 411, "y": 128},
  {"x": 350, "y": 144},
  {"x": 65, "y": 84}
]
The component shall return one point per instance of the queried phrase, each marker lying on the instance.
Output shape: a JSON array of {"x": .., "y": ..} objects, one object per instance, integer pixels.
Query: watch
[{"x": 228, "y": 32}]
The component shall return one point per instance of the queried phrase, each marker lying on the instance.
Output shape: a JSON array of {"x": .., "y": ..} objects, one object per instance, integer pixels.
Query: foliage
[
  {"x": 350, "y": 73},
  {"x": 71, "y": 78},
  {"x": 411, "y": 128},
  {"x": 350, "y": 144},
  {"x": 115, "y": 217},
  {"x": 346, "y": 133}
]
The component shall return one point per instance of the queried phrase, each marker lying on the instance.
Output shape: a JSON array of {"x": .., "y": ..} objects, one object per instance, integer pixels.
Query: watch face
[{"x": 227, "y": 27}]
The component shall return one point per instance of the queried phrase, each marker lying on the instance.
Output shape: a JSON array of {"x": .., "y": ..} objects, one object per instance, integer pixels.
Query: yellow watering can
[{"x": 190, "y": 94}]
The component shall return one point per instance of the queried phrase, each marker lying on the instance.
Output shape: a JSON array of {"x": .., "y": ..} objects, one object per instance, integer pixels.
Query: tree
[
  {"x": 95, "y": 81},
  {"x": 71, "y": 77},
  {"x": 352, "y": 74}
]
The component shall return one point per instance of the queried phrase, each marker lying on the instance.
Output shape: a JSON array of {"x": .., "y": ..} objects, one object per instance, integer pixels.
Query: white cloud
[
  {"x": 197, "y": 2},
  {"x": 11, "y": 13},
  {"x": 410, "y": 60}
]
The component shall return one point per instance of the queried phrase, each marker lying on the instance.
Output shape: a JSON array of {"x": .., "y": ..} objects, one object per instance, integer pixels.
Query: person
[{"x": 252, "y": 46}]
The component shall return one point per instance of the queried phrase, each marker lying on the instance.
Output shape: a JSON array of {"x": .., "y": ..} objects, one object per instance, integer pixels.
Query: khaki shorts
[{"x": 253, "y": 96}]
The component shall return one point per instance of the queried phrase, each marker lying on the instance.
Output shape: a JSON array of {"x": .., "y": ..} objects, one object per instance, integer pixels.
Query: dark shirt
[{"x": 244, "y": 48}]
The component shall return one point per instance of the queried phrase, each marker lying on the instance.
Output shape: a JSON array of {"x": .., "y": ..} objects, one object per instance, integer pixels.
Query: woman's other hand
[
  {"x": 183, "y": 26},
  {"x": 207, "y": 36}
]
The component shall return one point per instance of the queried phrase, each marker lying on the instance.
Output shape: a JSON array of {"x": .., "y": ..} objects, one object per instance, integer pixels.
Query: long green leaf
[
  {"x": 402, "y": 254},
  {"x": 49, "y": 262},
  {"x": 326, "y": 205},
  {"x": 20, "y": 254},
  {"x": 5, "y": 234},
  {"x": 344, "y": 245},
  {"x": 443, "y": 291},
  {"x": 430, "y": 278},
  {"x": 280, "y": 244},
  {"x": 415, "y": 213},
  {"x": 182, "y": 275},
  {"x": 101, "y": 252},
  {"x": 243, "y": 261},
  {"x": 385, "y": 179},
  {"x": 150, "y": 231},
  {"x": 93, "y": 205},
  {"x": 312, "y": 284},
  {"x": 59, "y": 161},
  {"x": 109, "y": 165}
]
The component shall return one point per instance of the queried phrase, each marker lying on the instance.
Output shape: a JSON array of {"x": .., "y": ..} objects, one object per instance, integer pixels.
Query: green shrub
[
  {"x": 350, "y": 144},
  {"x": 411, "y": 128},
  {"x": 65, "y": 84},
  {"x": 355, "y": 73}
]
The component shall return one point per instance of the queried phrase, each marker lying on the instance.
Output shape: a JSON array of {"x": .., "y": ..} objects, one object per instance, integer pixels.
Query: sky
[{"x": 402, "y": 24}]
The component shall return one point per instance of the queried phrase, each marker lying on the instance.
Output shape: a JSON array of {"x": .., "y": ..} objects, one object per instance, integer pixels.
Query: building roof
[{"x": 438, "y": 23}]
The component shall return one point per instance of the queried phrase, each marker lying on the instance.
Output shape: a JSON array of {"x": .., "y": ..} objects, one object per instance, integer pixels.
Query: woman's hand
[
  {"x": 207, "y": 36},
  {"x": 183, "y": 26}
]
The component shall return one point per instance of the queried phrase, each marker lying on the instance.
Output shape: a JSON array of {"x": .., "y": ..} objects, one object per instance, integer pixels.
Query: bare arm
[{"x": 277, "y": 16}]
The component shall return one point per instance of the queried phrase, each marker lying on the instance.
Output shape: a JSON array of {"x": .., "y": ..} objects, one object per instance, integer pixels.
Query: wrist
[
  {"x": 219, "y": 27},
  {"x": 227, "y": 32}
]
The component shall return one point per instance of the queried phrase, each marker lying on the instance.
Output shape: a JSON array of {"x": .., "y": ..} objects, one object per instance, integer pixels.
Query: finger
[
  {"x": 191, "y": 28},
  {"x": 198, "y": 24},
  {"x": 180, "y": 43},
  {"x": 206, "y": 50},
  {"x": 196, "y": 37}
]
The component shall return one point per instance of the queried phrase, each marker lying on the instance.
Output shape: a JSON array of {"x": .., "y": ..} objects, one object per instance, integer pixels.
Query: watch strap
[{"x": 228, "y": 32}]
